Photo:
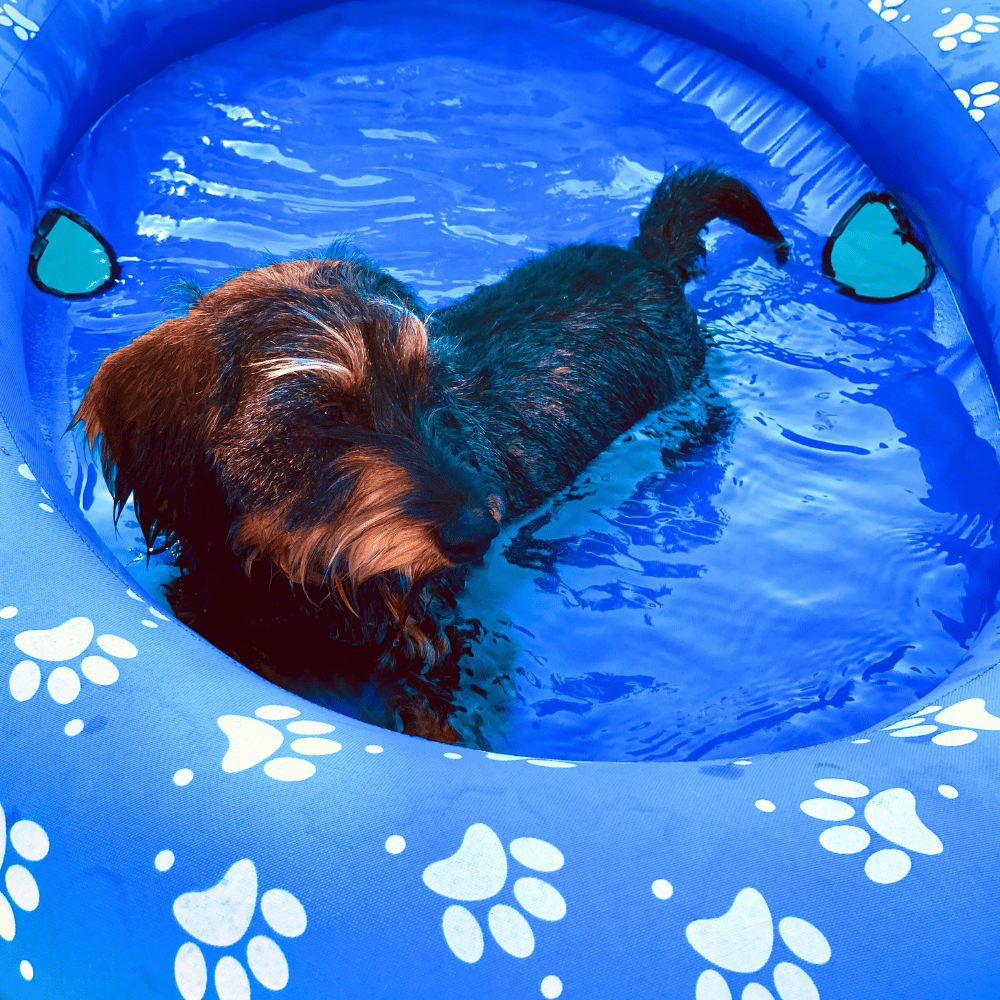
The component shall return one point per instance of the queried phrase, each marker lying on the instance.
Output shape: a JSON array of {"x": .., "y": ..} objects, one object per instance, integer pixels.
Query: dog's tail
[{"x": 684, "y": 203}]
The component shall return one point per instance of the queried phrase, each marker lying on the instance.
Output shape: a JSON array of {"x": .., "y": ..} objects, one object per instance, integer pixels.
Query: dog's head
[{"x": 292, "y": 413}]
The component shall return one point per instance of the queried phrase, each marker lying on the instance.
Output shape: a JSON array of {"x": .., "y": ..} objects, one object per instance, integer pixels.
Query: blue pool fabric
[{"x": 176, "y": 826}]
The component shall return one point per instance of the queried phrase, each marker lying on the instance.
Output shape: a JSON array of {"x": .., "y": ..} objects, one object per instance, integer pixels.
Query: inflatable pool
[{"x": 176, "y": 826}]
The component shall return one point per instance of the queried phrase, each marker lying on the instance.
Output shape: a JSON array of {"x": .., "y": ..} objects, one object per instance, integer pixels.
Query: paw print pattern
[
  {"x": 220, "y": 917},
  {"x": 155, "y": 612},
  {"x": 251, "y": 741},
  {"x": 478, "y": 871},
  {"x": 963, "y": 27},
  {"x": 742, "y": 941},
  {"x": 537, "y": 761},
  {"x": 968, "y": 716},
  {"x": 888, "y": 10},
  {"x": 31, "y": 842},
  {"x": 980, "y": 96},
  {"x": 23, "y": 469},
  {"x": 65, "y": 642},
  {"x": 23, "y": 27},
  {"x": 890, "y": 813}
]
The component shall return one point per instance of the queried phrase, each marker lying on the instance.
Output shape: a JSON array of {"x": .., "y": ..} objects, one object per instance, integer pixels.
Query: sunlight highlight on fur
[{"x": 279, "y": 367}]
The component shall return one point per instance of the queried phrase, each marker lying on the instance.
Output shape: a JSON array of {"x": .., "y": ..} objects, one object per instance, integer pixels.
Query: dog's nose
[{"x": 468, "y": 536}]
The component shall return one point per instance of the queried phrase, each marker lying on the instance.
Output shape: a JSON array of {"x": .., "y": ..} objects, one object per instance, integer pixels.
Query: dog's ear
[{"x": 148, "y": 410}]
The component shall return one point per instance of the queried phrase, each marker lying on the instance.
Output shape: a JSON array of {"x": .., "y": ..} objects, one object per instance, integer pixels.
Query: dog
[{"x": 327, "y": 457}]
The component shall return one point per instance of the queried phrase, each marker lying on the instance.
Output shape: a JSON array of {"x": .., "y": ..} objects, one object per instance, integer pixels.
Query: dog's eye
[{"x": 329, "y": 416}]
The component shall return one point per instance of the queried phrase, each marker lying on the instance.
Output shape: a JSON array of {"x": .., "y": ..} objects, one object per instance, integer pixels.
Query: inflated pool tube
[{"x": 175, "y": 826}]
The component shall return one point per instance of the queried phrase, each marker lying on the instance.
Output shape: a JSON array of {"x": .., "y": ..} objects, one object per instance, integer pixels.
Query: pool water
[{"x": 818, "y": 566}]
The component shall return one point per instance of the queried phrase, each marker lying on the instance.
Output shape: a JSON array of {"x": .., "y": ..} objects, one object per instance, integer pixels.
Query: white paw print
[
  {"x": 968, "y": 716},
  {"x": 537, "y": 761},
  {"x": 891, "y": 813},
  {"x": 251, "y": 741},
  {"x": 478, "y": 871},
  {"x": 155, "y": 612},
  {"x": 742, "y": 940},
  {"x": 23, "y": 26},
  {"x": 23, "y": 469},
  {"x": 967, "y": 29},
  {"x": 979, "y": 96},
  {"x": 32, "y": 843},
  {"x": 65, "y": 642},
  {"x": 219, "y": 917},
  {"x": 888, "y": 10}
]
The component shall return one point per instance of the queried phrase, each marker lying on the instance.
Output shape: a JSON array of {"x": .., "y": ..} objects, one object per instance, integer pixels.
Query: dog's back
[{"x": 570, "y": 349}]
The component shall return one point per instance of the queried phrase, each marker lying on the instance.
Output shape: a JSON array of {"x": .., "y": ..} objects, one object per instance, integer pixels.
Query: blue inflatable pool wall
[{"x": 174, "y": 825}]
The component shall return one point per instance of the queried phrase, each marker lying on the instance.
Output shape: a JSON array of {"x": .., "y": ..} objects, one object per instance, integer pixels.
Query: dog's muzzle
[{"x": 467, "y": 537}]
